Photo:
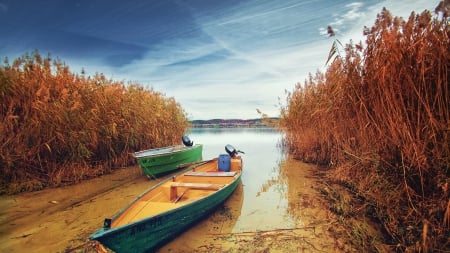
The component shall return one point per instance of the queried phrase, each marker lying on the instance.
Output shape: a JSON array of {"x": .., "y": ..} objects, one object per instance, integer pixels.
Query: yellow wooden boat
[{"x": 169, "y": 208}]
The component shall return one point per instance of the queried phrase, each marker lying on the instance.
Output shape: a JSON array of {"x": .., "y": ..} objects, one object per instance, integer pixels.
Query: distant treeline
[
  {"x": 380, "y": 119},
  {"x": 262, "y": 122},
  {"x": 58, "y": 127}
]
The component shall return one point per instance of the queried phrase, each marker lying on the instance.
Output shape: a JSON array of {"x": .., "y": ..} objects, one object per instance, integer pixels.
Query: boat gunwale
[{"x": 140, "y": 154}]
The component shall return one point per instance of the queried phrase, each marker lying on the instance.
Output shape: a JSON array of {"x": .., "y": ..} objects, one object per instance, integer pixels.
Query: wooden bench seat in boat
[
  {"x": 196, "y": 186},
  {"x": 211, "y": 173}
]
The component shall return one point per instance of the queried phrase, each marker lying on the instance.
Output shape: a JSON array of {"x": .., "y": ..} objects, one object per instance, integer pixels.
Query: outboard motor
[
  {"x": 232, "y": 151},
  {"x": 186, "y": 141}
]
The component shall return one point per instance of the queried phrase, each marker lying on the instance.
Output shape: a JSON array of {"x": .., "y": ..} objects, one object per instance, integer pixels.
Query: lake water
[
  {"x": 273, "y": 202},
  {"x": 262, "y": 159}
]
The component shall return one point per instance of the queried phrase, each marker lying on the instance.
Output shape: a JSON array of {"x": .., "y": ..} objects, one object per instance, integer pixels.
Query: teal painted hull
[
  {"x": 151, "y": 233},
  {"x": 156, "y": 162}
]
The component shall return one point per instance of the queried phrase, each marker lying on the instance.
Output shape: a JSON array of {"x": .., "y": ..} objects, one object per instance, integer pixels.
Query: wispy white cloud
[
  {"x": 349, "y": 24},
  {"x": 259, "y": 70},
  {"x": 354, "y": 12}
]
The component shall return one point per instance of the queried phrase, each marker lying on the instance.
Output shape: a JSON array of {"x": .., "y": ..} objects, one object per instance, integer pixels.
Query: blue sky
[{"x": 218, "y": 59}]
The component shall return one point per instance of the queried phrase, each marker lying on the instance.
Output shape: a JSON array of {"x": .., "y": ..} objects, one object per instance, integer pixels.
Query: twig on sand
[{"x": 22, "y": 236}]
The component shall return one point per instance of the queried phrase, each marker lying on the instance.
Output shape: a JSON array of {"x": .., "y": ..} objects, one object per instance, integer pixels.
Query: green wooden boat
[
  {"x": 169, "y": 208},
  {"x": 159, "y": 161}
]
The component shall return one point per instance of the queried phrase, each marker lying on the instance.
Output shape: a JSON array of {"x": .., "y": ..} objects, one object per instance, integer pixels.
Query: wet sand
[
  {"x": 55, "y": 220},
  {"x": 62, "y": 219}
]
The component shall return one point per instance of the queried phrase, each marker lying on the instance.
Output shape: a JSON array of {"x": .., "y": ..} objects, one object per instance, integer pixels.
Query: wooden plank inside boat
[{"x": 211, "y": 173}]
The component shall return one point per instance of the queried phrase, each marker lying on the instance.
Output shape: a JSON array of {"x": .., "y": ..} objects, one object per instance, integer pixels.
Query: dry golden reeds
[
  {"x": 58, "y": 127},
  {"x": 384, "y": 112}
]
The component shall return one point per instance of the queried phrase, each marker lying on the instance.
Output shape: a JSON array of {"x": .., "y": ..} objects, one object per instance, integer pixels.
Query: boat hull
[
  {"x": 151, "y": 233},
  {"x": 156, "y": 162}
]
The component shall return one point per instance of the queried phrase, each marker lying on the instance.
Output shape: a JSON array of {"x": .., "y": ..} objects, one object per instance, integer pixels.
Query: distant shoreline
[{"x": 232, "y": 123}]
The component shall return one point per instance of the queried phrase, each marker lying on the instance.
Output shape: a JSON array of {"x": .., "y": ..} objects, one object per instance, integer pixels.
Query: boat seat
[
  {"x": 197, "y": 186},
  {"x": 211, "y": 173}
]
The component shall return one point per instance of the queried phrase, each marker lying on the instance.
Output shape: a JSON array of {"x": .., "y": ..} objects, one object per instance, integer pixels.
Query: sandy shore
[{"x": 62, "y": 219}]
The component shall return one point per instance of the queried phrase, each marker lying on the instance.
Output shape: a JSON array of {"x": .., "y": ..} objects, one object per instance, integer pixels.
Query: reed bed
[
  {"x": 379, "y": 118},
  {"x": 59, "y": 127}
]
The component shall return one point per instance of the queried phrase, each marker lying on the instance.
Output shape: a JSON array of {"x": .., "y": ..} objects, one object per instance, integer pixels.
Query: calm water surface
[
  {"x": 264, "y": 204},
  {"x": 275, "y": 209}
]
